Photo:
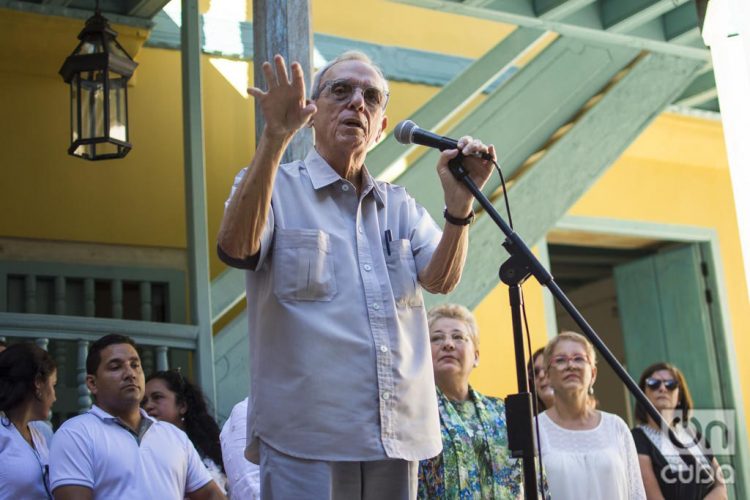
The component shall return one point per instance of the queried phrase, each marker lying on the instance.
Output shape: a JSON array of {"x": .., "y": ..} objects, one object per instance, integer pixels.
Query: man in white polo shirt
[{"x": 117, "y": 451}]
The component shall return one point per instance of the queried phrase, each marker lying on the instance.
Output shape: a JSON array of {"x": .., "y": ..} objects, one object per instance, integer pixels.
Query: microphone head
[{"x": 403, "y": 131}]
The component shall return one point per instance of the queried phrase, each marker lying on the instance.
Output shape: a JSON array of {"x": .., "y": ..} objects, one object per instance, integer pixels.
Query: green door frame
[{"x": 708, "y": 240}]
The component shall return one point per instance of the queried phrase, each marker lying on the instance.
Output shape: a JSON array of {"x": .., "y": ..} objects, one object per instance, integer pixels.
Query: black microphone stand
[{"x": 513, "y": 272}]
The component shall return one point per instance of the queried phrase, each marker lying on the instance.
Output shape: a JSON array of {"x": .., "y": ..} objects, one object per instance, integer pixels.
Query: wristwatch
[{"x": 456, "y": 221}]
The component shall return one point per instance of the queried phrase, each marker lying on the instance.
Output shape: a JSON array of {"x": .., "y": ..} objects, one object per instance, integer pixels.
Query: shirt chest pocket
[
  {"x": 303, "y": 265},
  {"x": 402, "y": 271}
]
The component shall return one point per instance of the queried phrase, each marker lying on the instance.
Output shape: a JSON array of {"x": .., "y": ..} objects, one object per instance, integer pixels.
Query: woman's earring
[{"x": 591, "y": 390}]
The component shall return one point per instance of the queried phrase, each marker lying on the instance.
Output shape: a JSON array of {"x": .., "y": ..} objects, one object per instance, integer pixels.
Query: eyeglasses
[
  {"x": 343, "y": 90},
  {"x": 655, "y": 383},
  {"x": 577, "y": 360},
  {"x": 457, "y": 338}
]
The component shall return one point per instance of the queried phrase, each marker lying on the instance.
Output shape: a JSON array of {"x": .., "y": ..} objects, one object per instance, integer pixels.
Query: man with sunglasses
[{"x": 342, "y": 393}]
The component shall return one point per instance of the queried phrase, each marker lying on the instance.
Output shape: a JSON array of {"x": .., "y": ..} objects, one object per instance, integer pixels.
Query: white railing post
[{"x": 84, "y": 397}]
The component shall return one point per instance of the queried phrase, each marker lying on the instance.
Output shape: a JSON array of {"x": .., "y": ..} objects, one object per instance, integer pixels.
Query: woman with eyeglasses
[
  {"x": 475, "y": 462},
  {"x": 665, "y": 474},
  {"x": 586, "y": 453},
  {"x": 545, "y": 396},
  {"x": 28, "y": 376},
  {"x": 170, "y": 397}
]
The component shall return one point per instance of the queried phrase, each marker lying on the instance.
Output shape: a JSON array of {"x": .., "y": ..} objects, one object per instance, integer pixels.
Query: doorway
[{"x": 653, "y": 293}]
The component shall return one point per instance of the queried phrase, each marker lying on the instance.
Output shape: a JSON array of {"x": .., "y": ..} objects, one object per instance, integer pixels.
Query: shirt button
[
  {"x": 359, "y": 228},
  {"x": 376, "y": 306},
  {"x": 386, "y": 395},
  {"x": 367, "y": 267},
  {"x": 345, "y": 187},
  {"x": 383, "y": 348}
]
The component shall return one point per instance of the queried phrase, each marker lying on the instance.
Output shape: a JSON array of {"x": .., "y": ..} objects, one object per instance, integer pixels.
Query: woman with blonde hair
[
  {"x": 586, "y": 453},
  {"x": 475, "y": 462}
]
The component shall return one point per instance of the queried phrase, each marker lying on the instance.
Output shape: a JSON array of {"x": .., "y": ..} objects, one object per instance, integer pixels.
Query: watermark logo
[{"x": 711, "y": 432}]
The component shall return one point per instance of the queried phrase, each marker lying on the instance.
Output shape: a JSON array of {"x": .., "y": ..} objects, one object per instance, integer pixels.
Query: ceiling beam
[
  {"x": 699, "y": 90},
  {"x": 146, "y": 8},
  {"x": 699, "y": 99},
  {"x": 681, "y": 21},
  {"x": 60, "y": 10},
  {"x": 518, "y": 15},
  {"x": 455, "y": 94},
  {"x": 521, "y": 116},
  {"x": 232, "y": 362},
  {"x": 712, "y": 105},
  {"x": 652, "y": 29},
  {"x": 623, "y": 16},
  {"x": 227, "y": 290},
  {"x": 559, "y": 9},
  {"x": 547, "y": 191}
]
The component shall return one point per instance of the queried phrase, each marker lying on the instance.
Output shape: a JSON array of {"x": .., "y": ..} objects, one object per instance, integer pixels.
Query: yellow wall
[{"x": 496, "y": 373}]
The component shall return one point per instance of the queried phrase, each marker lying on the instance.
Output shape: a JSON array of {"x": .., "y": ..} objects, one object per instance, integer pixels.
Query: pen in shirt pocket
[{"x": 388, "y": 239}]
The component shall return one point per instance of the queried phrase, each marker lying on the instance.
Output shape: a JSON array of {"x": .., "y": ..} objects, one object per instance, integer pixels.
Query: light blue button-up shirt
[{"x": 339, "y": 344}]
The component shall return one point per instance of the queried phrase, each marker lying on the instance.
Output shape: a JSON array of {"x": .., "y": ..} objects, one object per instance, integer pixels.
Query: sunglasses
[
  {"x": 343, "y": 90},
  {"x": 654, "y": 384}
]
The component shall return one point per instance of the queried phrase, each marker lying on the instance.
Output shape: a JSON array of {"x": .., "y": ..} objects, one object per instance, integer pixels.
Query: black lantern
[{"x": 98, "y": 71}]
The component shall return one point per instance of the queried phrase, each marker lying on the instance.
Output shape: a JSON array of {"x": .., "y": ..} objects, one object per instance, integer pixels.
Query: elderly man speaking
[{"x": 342, "y": 392}]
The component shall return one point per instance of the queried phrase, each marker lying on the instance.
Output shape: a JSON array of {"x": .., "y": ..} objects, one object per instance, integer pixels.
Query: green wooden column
[
  {"x": 199, "y": 283},
  {"x": 283, "y": 27}
]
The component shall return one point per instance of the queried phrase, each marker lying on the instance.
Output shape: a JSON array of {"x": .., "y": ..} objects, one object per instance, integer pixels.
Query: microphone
[{"x": 407, "y": 132}]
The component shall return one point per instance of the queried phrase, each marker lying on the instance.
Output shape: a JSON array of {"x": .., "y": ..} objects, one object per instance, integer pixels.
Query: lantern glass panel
[
  {"x": 118, "y": 117},
  {"x": 114, "y": 48},
  {"x": 92, "y": 105},
  {"x": 74, "y": 103}
]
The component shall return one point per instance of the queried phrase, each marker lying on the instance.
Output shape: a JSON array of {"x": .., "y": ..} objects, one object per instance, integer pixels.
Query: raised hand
[
  {"x": 283, "y": 105},
  {"x": 458, "y": 199}
]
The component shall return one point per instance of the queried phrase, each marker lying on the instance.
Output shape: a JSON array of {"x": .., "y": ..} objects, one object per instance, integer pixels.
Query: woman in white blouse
[
  {"x": 586, "y": 453},
  {"x": 27, "y": 390}
]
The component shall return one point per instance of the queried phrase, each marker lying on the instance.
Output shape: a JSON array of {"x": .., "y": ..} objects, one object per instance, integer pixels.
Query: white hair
[{"x": 350, "y": 55}]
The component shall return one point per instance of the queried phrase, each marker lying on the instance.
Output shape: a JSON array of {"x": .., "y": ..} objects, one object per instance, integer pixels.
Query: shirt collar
[
  {"x": 145, "y": 424},
  {"x": 95, "y": 410},
  {"x": 322, "y": 174}
]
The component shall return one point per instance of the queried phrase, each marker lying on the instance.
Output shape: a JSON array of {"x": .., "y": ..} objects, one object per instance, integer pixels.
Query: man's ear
[
  {"x": 91, "y": 384},
  {"x": 383, "y": 125},
  {"x": 309, "y": 123},
  {"x": 476, "y": 358}
]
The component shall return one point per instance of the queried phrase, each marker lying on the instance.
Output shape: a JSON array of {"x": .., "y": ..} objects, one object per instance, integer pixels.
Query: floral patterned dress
[{"x": 475, "y": 462}]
